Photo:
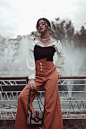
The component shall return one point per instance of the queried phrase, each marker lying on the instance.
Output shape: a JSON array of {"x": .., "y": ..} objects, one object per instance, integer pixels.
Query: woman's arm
[
  {"x": 61, "y": 58},
  {"x": 31, "y": 66},
  {"x": 31, "y": 61}
]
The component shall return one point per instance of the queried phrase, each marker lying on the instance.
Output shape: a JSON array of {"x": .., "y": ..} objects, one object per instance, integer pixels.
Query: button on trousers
[{"x": 47, "y": 75}]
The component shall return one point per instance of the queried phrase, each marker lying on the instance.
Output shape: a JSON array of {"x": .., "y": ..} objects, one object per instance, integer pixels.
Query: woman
[{"x": 42, "y": 71}]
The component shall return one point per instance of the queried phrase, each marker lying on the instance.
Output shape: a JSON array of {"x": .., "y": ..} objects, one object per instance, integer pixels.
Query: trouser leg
[
  {"x": 22, "y": 111},
  {"x": 51, "y": 108}
]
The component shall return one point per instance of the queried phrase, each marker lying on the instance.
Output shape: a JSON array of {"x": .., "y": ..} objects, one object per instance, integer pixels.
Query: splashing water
[
  {"x": 13, "y": 61},
  {"x": 75, "y": 63}
]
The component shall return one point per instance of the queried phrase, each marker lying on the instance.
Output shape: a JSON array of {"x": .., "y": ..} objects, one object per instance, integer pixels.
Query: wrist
[{"x": 32, "y": 79}]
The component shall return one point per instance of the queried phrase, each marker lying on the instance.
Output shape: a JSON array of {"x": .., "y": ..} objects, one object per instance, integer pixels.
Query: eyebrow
[{"x": 41, "y": 22}]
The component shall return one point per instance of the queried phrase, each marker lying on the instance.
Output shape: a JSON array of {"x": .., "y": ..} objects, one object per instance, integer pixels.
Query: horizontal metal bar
[
  {"x": 73, "y": 91},
  {"x": 44, "y": 91},
  {"x": 58, "y": 84},
  {"x": 9, "y": 91},
  {"x": 71, "y": 100},
  {"x": 8, "y": 100},
  {"x": 21, "y": 79},
  {"x": 70, "y": 84},
  {"x": 74, "y": 118},
  {"x": 73, "y": 110},
  {"x": 14, "y": 85},
  {"x": 63, "y": 110},
  {"x": 13, "y": 80},
  {"x": 71, "y": 78},
  {"x": 66, "y": 100},
  {"x": 13, "y": 77},
  {"x": 25, "y": 77},
  {"x": 63, "y": 118}
]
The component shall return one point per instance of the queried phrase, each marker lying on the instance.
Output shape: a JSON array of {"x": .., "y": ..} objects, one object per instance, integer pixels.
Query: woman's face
[{"x": 42, "y": 26}]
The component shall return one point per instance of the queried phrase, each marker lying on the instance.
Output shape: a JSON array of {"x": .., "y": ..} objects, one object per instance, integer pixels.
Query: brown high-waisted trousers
[{"x": 45, "y": 74}]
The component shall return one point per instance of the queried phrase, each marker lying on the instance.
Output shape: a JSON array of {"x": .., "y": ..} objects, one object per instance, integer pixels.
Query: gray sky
[{"x": 18, "y": 17}]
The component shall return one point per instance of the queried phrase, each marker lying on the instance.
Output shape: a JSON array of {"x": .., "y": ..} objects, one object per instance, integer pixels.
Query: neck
[{"x": 45, "y": 35}]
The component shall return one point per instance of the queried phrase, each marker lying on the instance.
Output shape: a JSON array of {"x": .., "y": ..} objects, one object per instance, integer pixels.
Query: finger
[
  {"x": 31, "y": 87},
  {"x": 28, "y": 82},
  {"x": 34, "y": 87}
]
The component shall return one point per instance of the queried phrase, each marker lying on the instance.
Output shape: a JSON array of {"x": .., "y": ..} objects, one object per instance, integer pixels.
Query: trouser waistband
[{"x": 43, "y": 66}]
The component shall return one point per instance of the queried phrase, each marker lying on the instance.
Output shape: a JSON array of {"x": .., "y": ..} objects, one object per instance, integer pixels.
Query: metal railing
[{"x": 72, "y": 91}]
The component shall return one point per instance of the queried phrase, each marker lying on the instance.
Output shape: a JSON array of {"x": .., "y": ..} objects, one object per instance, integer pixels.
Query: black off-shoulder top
[{"x": 44, "y": 52}]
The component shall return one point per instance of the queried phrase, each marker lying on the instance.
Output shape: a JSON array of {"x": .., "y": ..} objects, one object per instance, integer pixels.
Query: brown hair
[{"x": 44, "y": 19}]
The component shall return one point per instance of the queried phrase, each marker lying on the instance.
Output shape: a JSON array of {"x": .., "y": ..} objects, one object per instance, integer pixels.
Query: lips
[{"x": 41, "y": 28}]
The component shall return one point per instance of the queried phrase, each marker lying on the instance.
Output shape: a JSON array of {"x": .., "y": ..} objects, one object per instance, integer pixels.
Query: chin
[{"x": 42, "y": 31}]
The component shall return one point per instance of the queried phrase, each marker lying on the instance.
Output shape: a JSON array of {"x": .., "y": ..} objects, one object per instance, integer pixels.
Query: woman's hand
[
  {"x": 59, "y": 75},
  {"x": 32, "y": 84}
]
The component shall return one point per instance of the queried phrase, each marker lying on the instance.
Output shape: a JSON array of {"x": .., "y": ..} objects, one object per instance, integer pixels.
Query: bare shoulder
[{"x": 53, "y": 40}]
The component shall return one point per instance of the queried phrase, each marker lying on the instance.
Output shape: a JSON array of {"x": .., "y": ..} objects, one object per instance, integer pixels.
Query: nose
[{"x": 41, "y": 25}]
